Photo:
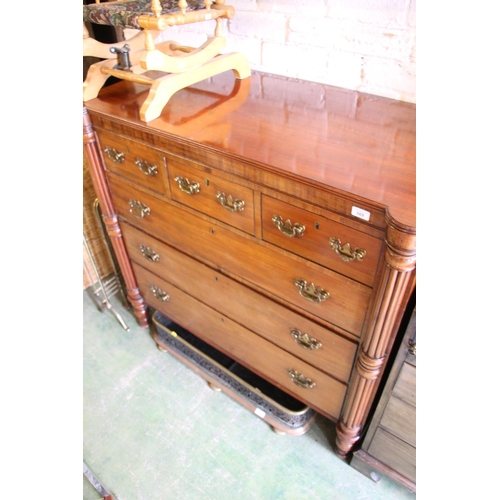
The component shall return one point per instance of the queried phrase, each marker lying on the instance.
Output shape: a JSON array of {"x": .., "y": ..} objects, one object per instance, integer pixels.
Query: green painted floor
[{"x": 154, "y": 430}]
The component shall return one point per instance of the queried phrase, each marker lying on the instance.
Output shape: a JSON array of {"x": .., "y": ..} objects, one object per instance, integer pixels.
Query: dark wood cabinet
[
  {"x": 272, "y": 218},
  {"x": 389, "y": 446}
]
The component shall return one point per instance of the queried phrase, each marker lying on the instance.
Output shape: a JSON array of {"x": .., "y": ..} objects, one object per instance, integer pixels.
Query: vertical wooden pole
[
  {"x": 95, "y": 162},
  {"x": 381, "y": 326}
]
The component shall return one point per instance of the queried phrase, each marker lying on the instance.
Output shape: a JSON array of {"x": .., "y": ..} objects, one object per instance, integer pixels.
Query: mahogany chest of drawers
[{"x": 272, "y": 218}]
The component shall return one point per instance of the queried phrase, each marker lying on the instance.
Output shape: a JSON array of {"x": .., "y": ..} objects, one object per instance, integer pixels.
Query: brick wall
[{"x": 365, "y": 45}]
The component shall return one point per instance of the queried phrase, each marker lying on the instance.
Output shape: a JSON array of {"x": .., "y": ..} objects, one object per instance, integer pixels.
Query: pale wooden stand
[{"x": 180, "y": 66}]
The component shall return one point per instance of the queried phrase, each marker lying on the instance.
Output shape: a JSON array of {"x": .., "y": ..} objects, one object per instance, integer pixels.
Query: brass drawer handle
[
  {"x": 186, "y": 186},
  {"x": 345, "y": 252},
  {"x": 160, "y": 294},
  {"x": 300, "y": 380},
  {"x": 149, "y": 254},
  {"x": 114, "y": 155},
  {"x": 146, "y": 168},
  {"x": 297, "y": 230},
  {"x": 138, "y": 209},
  {"x": 229, "y": 203},
  {"x": 310, "y": 292},
  {"x": 412, "y": 348},
  {"x": 304, "y": 340}
]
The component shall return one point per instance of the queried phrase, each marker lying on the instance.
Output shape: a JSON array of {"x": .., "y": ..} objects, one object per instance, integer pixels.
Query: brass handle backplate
[
  {"x": 345, "y": 252},
  {"x": 138, "y": 209},
  {"x": 114, "y": 155},
  {"x": 146, "y": 168},
  {"x": 295, "y": 230},
  {"x": 149, "y": 254},
  {"x": 186, "y": 186},
  {"x": 300, "y": 380},
  {"x": 160, "y": 294},
  {"x": 229, "y": 203},
  {"x": 412, "y": 348},
  {"x": 304, "y": 340},
  {"x": 312, "y": 293}
]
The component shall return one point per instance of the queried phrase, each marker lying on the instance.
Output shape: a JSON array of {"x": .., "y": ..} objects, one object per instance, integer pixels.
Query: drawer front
[
  {"x": 395, "y": 453},
  {"x": 400, "y": 419},
  {"x": 252, "y": 351},
  {"x": 405, "y": 387},
  {"x": 332, "y": 244},
  {"x": 282, "y": 276},
  {"x": 137, "y": 162},
  {"x": 305, "y": 339},
  {"x": 224, "y": 200}
]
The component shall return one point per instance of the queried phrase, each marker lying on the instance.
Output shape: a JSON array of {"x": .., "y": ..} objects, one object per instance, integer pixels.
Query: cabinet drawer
[
  {"x": 137, "y": 162},
  {"x": 405, "y": 387},
  {"x": 252, "y": 351},
  {"x": 276, "y": 273},
  {"x": 332, "y": 244},
  {"x": 219, "y": 198},
  {"x": 400, "y": 419},
  {"x": 325, "y": 349},
  {"x": 395, "y": 453}
]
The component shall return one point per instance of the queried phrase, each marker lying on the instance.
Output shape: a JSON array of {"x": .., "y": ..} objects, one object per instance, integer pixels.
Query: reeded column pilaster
[
  {"x": 110, "y": 218},
  {"x": 381, "y": 325}
]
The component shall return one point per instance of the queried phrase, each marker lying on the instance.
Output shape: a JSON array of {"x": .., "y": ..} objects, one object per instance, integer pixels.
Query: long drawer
[
  {"x": 312, "y": 386},
  {"x": 395, "y": 453},
  {"x": 328, "y": 295},
  {"x": 334, "y": 245},
  {"x": 400, "y": 419},
  {"x": 301, "y": 337}
]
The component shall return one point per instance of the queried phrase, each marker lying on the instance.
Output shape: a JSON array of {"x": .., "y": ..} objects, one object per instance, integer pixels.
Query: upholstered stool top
[{"x": 125, "y": 13}]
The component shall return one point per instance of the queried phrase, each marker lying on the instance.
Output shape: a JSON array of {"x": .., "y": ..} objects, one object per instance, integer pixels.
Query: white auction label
[
  {"x": 260, "y": 413},
  {"x": 359, "y": 212}
]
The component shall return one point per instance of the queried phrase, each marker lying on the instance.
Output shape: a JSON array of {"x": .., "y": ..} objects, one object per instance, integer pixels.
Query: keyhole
[{"x": 316, "y": 225}]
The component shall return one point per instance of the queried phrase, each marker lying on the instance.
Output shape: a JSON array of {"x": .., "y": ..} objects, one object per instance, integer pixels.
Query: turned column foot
[{"x": 345, "y": 439}]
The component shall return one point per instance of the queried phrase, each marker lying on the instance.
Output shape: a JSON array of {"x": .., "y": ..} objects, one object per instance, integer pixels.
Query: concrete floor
[{"x": 154, "y": 430}]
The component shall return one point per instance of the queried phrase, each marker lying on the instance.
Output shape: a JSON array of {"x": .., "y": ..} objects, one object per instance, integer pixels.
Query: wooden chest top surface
[{"x": 339, "y": 139}]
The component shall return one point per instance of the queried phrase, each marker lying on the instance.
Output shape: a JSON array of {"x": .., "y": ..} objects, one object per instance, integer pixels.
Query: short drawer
[
  {"x": 301, "y": 337},
  {"x": 330, "y": 243},
  {"x": 311, "y": 386},
  {"x": 135, "y": 161},
  {"x": 325, "y": 294},
  {"x": 219, "y": 198}
]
